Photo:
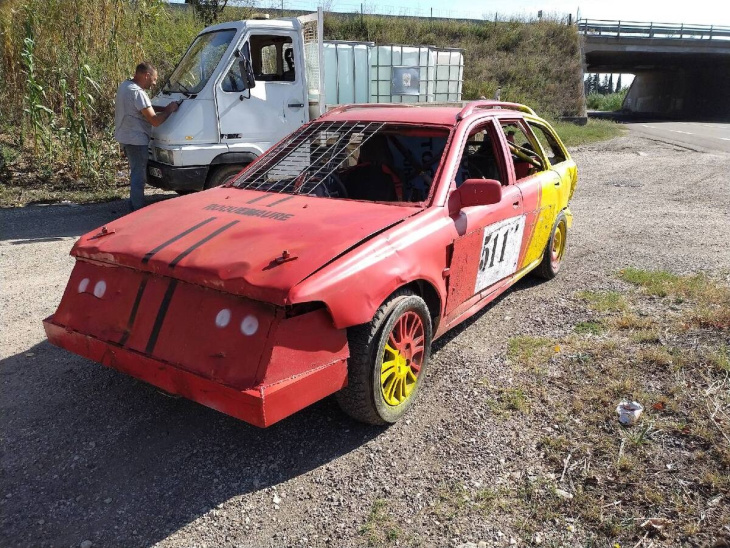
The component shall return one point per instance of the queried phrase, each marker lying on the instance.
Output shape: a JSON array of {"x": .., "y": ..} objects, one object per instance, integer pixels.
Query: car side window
[
  {"x": 272, "y": 58},
  {"x": 480, "y": 158},
  {"x": 549, "y": 143},
  {"x": 525, "y": 151}
]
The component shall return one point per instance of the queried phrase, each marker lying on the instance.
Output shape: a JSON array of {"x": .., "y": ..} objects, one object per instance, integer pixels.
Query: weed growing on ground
[
  {"x": 530, "y": 351},
  {"x": 514, "y": 399},
  {"x": 379, "y": 528},
  {"x": 589, "y": 327},
  {"x": 604, "y": 301}
]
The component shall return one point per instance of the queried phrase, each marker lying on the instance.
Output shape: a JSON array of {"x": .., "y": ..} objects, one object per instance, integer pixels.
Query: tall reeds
[{"x": 60, "y": 64}]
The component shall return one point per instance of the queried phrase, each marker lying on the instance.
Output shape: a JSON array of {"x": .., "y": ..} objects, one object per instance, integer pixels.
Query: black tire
[
  {"x": 363, "y": 398},
  {"x": 550, "y": 264},
  {"x": 222, "y": 174}
]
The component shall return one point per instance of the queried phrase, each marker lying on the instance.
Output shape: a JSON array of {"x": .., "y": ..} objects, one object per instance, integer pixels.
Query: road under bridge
[{"x": 681, "y": 71}]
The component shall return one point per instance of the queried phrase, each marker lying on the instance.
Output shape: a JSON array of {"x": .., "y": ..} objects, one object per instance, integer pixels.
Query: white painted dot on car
[
  {"x": 249, "y": 325},
  {"x": 100, "y": 289},
  {"x": 223, "y": 318},
  {"x": 83, "y": 285}
]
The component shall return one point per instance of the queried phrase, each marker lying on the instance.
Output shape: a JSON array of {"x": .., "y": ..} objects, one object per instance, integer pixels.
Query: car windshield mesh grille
[{"x": 302, "y": 163}]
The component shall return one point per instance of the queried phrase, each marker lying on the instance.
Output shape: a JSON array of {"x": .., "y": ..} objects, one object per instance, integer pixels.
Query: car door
[
  {"x": 490, "y": 237},
  {"x": 276, "y": 105},
  {"x": 558, "y": 158},
  {"x": 538, "y": 184}
]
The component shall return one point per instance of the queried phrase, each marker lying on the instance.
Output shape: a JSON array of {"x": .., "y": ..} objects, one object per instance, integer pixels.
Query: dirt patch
[{"x": 514, "y": 440}]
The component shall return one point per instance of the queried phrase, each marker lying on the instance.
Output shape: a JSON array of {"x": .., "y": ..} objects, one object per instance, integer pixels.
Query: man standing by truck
[{"x": 134, "y": 117}]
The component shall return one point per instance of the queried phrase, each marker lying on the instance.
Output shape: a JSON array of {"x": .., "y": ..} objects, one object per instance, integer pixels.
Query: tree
[
  {"x": 208, "y": 10},
  {"x": 618, "y": 84},
  {"x": 604, "y": 85},
  {"x": 610, "y": 83}
]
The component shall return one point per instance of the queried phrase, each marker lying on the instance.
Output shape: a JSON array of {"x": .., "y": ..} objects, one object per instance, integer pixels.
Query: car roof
[{"x": 433, "y": 115}]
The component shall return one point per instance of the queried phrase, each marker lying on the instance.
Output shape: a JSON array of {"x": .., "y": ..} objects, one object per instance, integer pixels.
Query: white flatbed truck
[{"x": 244, "y": 85}]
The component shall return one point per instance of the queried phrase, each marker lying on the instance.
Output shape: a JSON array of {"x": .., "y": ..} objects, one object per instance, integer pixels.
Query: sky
[{"x": 703, "y": 12}]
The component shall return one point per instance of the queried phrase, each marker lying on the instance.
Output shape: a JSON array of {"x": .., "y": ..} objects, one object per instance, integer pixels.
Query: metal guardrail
[{"x": 635, "y": 29}]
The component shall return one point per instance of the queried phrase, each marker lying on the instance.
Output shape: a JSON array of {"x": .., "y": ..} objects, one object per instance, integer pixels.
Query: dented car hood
[{"x": 244, "y": 242}]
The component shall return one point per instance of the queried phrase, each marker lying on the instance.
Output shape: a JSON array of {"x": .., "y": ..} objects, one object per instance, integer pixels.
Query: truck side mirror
[
  {"x": 246, "y": 74},
  {"x": 476, "y": 192},
  {"x": 246, "y": 68}
]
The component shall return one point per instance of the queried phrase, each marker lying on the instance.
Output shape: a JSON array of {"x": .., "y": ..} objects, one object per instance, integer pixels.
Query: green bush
[{"x": 609, "y": 102}]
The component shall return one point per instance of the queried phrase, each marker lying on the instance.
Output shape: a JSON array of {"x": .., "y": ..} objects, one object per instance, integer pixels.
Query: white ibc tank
[
  {"x": 361, "y": 72},
  {"x": 449, "y": 74},
  {"x": 402, "y": 74},
  {"x": 346, "y": 75}
]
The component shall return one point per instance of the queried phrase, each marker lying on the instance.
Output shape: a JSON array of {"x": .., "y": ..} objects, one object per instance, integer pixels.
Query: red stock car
[{"x": 329, "y": 264}]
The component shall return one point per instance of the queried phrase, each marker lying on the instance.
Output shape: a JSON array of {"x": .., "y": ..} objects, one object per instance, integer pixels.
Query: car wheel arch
[
  {"x": 347, "y": 314},
  {"x": 420, "y": 287},
  {"x": 430, "y": 295}
]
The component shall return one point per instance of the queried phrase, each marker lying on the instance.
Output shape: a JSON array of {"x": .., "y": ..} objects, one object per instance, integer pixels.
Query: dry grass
[
  {"x": 711, "y": 301},
  {"x": 596, "y": 476}
]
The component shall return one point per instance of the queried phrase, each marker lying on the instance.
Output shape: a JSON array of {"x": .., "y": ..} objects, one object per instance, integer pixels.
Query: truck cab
[{"x": 242, "y": 86}]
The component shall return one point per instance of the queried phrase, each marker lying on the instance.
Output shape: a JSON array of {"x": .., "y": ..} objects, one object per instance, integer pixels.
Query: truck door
[
  {"x": 276, "y": 105},
  {"x": 490, "y": 236}
]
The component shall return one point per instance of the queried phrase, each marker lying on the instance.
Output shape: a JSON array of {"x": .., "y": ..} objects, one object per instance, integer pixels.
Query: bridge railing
[{"x": 635, "y": 29}]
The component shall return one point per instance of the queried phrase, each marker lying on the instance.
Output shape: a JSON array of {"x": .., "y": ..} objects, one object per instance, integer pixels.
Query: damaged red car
[{"x": 329, "y": 265}]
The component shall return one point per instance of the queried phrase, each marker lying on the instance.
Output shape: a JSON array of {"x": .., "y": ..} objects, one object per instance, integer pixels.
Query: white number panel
[{"x": 500, "y": 251}]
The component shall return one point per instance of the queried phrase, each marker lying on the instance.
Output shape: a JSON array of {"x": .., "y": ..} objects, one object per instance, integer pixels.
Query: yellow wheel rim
[
  {"x": 558, "y": 247},
  {"x": 402, "y": 359}
]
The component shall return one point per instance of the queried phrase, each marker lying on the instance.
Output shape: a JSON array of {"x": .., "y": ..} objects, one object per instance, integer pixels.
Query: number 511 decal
[{"x": 500, "y": 251}]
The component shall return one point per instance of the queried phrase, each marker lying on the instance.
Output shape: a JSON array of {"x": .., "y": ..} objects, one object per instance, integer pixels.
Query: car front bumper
[{"x": 261, "y": 406}]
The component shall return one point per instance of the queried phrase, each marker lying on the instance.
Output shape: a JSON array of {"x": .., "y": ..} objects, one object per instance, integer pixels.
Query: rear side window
[
  {"x": 549, "y": 144},
  {"x": 526, "y": 156}
]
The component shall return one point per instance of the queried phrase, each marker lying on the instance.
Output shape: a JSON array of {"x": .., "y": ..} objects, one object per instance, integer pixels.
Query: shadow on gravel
[
  {"x": 39, "y": 223},
  {"x": 91, "y": 454}
]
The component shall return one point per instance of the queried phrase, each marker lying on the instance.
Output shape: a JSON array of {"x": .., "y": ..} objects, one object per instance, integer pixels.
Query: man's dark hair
[{"x": 144, "y": 67}]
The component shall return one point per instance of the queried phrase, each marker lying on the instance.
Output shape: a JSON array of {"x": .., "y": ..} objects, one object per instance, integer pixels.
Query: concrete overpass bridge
[{"x": 680, "y": 70}]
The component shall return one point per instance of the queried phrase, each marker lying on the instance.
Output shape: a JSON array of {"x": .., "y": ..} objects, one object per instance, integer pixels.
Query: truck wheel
[
  {"x": 222, "y": 174},
  {"x": 553, "y": 256},
  {"x": 388, "y": 359}
]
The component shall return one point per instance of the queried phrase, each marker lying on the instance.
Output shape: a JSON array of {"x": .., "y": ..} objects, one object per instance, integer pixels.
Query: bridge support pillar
[{"x": 683, "y": 92}]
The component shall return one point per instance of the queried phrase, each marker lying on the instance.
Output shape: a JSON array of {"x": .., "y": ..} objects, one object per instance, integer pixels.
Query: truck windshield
[
  {"x": 201, "y": 59},
  {"x": 373, "y": 161}
]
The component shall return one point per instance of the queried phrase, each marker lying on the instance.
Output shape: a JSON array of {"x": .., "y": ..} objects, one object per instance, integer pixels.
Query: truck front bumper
[{"x": 181, "y": 179}]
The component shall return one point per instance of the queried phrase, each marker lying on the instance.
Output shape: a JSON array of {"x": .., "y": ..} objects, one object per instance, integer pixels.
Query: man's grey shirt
[{"x": 130, "y": 126}]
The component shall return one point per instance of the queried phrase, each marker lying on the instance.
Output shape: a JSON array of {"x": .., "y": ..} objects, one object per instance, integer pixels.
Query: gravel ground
[{"x": 92, "y": 457}]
